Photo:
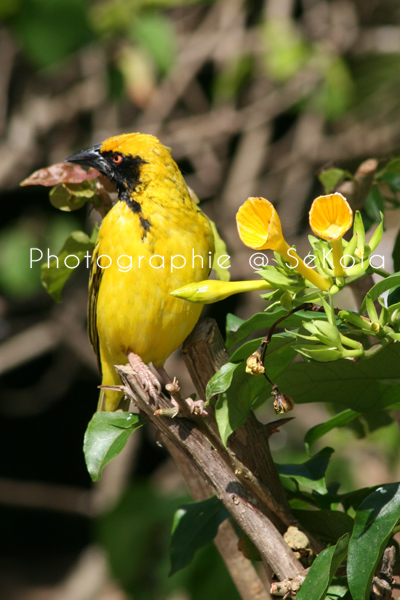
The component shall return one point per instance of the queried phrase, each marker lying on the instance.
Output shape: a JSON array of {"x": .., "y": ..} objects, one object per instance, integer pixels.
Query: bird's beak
[{"x": 91, "y": 157}]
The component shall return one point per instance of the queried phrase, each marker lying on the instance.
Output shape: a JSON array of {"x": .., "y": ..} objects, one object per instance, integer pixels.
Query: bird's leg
[{"x": 147, "y": 378}]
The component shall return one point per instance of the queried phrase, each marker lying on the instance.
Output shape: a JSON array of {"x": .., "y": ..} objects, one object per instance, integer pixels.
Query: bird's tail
[{"x": 110, "y": 401}]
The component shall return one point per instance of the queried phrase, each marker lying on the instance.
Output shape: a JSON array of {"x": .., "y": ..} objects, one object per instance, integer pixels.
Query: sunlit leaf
[
  {"x": 155, "y": 33},
  {"x": 105, "y": 437},
  {"x": 389, "y": 283},
  {"x": 221, "y": 381},
  {"x": 330, "y": 179},
  {"x": 246, "y": 391},
  {"x": 72, "y": 196},
  {"x": 221, "y": 256},
  {"x": 239, "y": 330},
  {"x": 374, "y": 523},
  {"x": 368, "y": 385},
  {"x": 323, "y": 570},
  {"x": 56, "y": 273}
]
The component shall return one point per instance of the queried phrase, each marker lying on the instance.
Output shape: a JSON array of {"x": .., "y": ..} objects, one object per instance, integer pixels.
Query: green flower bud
[
  {"x": 356, "y": 320},
  {"x": 377, "y": 235},
  {"x": 211, "y": 290},
  {"x": 371, "y": 310},
  {"x": 325, "y": 333},
  {"x": 359, "y": 230},
  {"x": 319, "y": 353}
]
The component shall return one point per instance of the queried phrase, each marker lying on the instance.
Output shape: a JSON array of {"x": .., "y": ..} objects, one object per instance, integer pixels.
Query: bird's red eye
[{"x": 117, "y": 158}]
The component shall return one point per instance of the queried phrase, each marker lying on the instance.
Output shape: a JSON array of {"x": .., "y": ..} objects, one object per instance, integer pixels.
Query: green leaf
[
  {"x": 374, "y": 204},
  {"x": 352, "y": 500},
  {"x": 393, "y": 297},
  {"x": 245, "y": 390},
  {"x": 105, "y": 437},
  {"x": 331, "y": 178},
  {"x": 221, "y": 256},
  {"x": 323, "y": 570},
  {"x": 19, "y": 271},
  {"x": 232, "y": 77},
  {"x": 374, "y": 523},
  {"x": 389, "y": 283},
  {"x": 232, "y": 325},
  {"x": 396, "y": 253},
  {"x": 334, "y": 96},
  {"x": 71, "y": 196},
  {"x": 319, "y": 353},
  {"x": 310, "y": 473},
  {"x": 154, "y": 32},
  {"x": 392, "y": 179},
  {"x": 56, "y": 273},
  {"x": 238, "y": 330},
  {"x": 277, "y": 279},
  {"x": 222, "y": 380},
  {"x": 393, "y": 166},
  {"x": 50, "y": 31},
  {"x": 286, "y": 51},
  {"x": 194, "y": 526},
  {"x": 327, "y": 525},
  {"x": 366, "y": 386},
  {"x": 339, "y": 420},
  {"x": 338, "y": 589}
]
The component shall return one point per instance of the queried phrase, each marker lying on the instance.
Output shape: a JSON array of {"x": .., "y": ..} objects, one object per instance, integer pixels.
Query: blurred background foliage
[{"x": 254, "y": 97}]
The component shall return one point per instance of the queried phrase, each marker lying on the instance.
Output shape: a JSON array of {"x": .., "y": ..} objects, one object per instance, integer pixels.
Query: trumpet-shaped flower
[
  {"x": 210, "y": 290},
  {"x": 260, "y": 228},
  {"x": 259, "y": 225},
  {"x": 330, "y": 217}
]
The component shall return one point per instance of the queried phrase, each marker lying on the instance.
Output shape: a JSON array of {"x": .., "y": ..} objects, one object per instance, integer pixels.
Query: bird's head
[{"x": 128, "y": 160}]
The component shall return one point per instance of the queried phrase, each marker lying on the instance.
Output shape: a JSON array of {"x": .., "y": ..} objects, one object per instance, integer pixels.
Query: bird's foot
[{"x": 147, "y": 378}]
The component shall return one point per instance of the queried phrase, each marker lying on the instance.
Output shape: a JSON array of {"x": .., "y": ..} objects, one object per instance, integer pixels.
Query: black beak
[{"x": 91, "y": 157}]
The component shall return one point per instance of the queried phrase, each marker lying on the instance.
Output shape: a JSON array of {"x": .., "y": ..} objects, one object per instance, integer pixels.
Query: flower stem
[
  {"x": 308, "y": 273},
  {"x": 337, "y": 253}
]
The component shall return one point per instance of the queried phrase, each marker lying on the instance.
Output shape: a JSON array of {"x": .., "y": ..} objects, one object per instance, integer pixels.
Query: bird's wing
[{"x": 94, "y": 285}]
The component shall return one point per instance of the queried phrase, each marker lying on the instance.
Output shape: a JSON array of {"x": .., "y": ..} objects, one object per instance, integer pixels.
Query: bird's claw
[{"x": 149, "y": 381}]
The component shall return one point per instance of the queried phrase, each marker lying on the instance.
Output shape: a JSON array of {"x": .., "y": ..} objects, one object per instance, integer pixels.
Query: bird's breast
[{"x": 145, "y": 255}]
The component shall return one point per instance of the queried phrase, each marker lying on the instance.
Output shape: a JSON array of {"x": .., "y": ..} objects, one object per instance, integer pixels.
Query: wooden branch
[
  {"x": 357, "y": 189},
  {"x": 204, "y": 353},
  {"x": 242, "y": 571},
  {"x": 187, "y": 435}
]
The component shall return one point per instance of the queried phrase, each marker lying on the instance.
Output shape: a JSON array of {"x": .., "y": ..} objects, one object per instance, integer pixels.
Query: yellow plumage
[{"x": 155, "y": 227}]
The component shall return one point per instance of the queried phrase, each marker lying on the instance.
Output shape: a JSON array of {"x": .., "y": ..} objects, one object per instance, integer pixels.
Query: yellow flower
[
  {"x": 210, "y": 290},
  {"x": 260, "y": 228},
  {"x": 330, "y": 217}
]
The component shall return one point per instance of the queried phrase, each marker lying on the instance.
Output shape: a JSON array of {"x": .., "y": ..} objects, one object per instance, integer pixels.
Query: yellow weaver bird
[{"x": 154, "y": 226}]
